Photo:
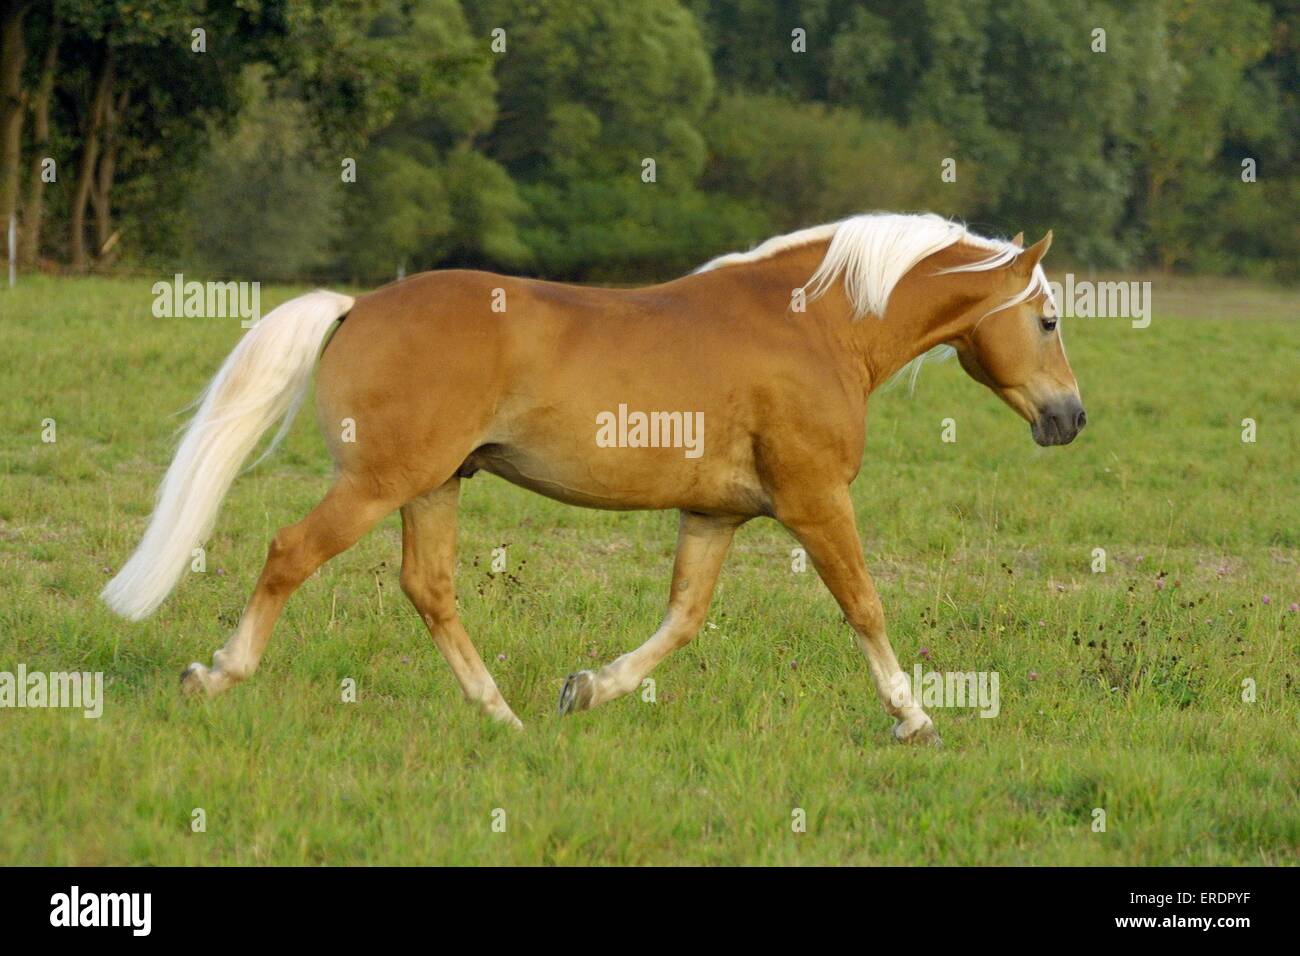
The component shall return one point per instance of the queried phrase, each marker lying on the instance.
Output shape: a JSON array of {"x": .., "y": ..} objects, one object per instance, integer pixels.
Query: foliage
[
  {"x": 525, "y": 149},
  {"x": 233, "y": 225}
]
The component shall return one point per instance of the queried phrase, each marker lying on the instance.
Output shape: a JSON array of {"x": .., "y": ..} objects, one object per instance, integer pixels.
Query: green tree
[
  {"x": 806, "y": 163},
  {"x": 259, "y": 205},
  {"x": 1213, "y": 102},
  {"x": 588, "y": 91},
  {"x": 425, "y": 194}
]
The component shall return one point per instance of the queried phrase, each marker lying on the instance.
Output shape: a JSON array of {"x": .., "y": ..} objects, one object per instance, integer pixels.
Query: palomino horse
[{"x": 776, "y": 351}]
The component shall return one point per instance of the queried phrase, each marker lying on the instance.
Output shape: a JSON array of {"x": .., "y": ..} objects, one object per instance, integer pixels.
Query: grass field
[{"x": 1120, "y": 691}]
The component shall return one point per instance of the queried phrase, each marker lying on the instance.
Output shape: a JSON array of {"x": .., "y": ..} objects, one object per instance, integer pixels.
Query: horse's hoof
[
  {"x": 192, "y": 679},
  {"x": 920, "y": 734},
  {"x": 577, "y": 692}
]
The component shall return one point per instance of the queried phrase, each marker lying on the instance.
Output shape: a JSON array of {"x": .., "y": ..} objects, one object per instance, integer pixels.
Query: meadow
[{"x": 1162, "y": 691}]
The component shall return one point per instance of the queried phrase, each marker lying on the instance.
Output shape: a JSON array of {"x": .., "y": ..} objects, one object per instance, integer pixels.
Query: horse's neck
[
  {"x": 919, "y": 316},
  {"x": 915, "y": 323}
]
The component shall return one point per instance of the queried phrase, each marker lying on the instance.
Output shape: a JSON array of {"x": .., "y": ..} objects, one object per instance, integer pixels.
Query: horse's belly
[{"x": 625, "y": 479}]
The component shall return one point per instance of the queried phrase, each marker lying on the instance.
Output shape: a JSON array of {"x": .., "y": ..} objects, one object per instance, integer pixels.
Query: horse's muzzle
[{"x": 1059, "y": 422}]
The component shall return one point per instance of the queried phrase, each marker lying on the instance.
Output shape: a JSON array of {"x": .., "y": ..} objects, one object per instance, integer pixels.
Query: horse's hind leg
[
  {"x": 702, "y": 545},
  {"x": 428, "y": 569},
  {"x": 338, "y": 522}
]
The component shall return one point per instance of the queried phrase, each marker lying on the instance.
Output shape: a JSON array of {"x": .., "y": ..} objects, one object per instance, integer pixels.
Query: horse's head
[{"x": 1016, "y": 350}]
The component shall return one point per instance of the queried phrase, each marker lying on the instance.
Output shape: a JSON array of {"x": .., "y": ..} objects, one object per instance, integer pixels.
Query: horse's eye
[{"x": 1048, "y": 322}]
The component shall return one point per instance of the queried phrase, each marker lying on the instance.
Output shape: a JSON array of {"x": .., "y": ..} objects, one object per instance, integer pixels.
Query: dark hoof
[
  {"x": 923, "y": 735},
  {"x": 192, "y": 679},
  {"x": 577, "y": 692}
]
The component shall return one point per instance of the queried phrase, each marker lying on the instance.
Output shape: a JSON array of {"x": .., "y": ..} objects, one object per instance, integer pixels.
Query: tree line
[{"x": 615, "y": 141}]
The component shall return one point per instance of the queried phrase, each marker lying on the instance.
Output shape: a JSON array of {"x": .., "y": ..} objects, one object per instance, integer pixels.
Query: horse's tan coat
[{"x": 438, "y": 385}]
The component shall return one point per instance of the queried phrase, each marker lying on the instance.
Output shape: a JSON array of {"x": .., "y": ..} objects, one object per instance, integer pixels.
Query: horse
[{"x": 430, "y": 379}]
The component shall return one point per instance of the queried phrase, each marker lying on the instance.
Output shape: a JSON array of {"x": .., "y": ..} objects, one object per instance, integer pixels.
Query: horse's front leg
[
  {"x": 825, "y": 526},
  {"x": 702, "y": 544}
]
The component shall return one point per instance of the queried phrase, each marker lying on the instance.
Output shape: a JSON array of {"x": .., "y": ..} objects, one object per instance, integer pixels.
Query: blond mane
[{"x": 871, "y": 253}]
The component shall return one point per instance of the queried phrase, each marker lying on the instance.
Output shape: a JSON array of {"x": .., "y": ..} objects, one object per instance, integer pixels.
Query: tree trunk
[
  {"x": 29, "y": 240},
  {"x": 13, "y": 52},
  {"x": 103, "y": 183},
  {"x": 89, "y": 160}
]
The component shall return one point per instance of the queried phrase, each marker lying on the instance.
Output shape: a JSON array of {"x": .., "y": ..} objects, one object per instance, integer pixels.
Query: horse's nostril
[{"x": 1081, "y": 419}]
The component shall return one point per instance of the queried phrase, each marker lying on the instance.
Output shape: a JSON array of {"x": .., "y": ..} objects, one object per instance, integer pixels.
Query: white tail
[{"x": 262, "y": 381}]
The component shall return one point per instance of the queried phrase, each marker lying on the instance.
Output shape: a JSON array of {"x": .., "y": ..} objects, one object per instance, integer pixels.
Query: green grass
[{"x": 1115, "y": 693}]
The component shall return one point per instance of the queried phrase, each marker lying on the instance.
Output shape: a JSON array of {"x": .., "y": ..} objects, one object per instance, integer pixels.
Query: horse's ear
[
  {"x": 1026, "y": 261},
  {"x": 1019, "y": 240}
]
